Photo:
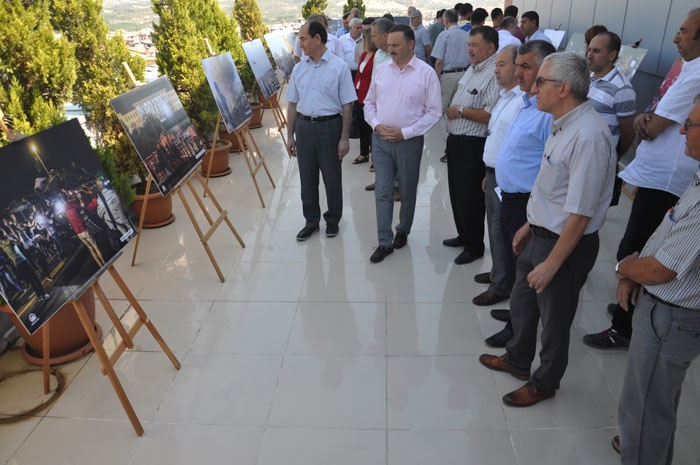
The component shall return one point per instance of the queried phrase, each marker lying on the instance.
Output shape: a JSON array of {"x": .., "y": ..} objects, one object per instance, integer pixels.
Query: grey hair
[
  {"x": 508, "y": 22},
  {"x": 450, "y": 16},
  {"x": 539, "y": 47},
  {"x": 572, "y": 68},
  {"x": 355, "y": 21},
  {"x": 383, "y": 25},
  {"x": 513, "y": 49}
]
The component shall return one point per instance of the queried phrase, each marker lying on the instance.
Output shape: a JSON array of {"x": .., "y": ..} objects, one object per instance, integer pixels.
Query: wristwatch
[
  {"x": 617, "y": 268},
  {"x": 461, "y": 110}
]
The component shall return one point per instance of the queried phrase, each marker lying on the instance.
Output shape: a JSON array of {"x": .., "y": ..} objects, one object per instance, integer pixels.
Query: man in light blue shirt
[
  {"x": 320, "y": 96},
  {"x": 520, "y": 155},
  {"x": 530, "y": 24}
]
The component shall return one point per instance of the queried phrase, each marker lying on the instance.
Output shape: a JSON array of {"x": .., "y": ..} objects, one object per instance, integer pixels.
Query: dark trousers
[
  {"x": 317, "y": 150},
  {"x": 465, "y": 171},
  {"x": 26, "y": 273},
  {"x": 503, "y": 264},
  {"x": 648, "y": 210},
  {"x": 555, "y": 307},
  {"x": 365, "y": 130}
]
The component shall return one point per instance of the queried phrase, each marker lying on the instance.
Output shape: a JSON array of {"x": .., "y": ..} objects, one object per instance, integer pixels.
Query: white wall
[{"x": 655, "y": 21}]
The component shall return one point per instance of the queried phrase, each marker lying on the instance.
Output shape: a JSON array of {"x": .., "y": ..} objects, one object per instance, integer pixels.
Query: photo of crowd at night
[
  {"x": 226, "y": 85},
  {"x": 60, "y": 221},
  {"x": 161, "y": 131},
  {"x": 261, "y": 66}
]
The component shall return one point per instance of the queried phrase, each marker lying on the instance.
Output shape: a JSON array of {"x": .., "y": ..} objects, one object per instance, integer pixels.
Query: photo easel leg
[
  {"x": 253, "y": 158},
  {"x": 141, "y": 218},
  {"x": 46, "y": 364},
  {"x": 107, "y": 366},
  {"x": 221, "y": 211}
]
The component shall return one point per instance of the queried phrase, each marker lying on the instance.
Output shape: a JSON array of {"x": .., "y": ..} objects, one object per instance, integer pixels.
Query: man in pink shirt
[{"x": 402, "y": 104}]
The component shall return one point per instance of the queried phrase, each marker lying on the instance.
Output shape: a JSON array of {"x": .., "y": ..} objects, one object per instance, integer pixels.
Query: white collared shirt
[{"x": 503, "y": 114}]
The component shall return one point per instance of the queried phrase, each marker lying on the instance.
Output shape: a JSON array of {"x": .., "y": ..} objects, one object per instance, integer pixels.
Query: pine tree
[
  {"x": 37, "y": 70},
  {"x": 179, "y": 38},
  {"x": 313, "y": 7},
  {"x": 247, "y": 13},
  {"x": 100, "y": 78},
  {"x": 350, "y": 4}
]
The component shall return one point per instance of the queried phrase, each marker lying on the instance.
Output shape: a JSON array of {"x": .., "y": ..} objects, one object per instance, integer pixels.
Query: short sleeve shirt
[
  {"x": 451, "y": 47},
  {"x": 613, "y": 97},
  {"x": 321, "y": 89},
  {"x": 422, "y": 39}
]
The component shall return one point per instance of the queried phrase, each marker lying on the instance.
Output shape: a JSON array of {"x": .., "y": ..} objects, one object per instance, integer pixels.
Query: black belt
[
  {"x": 491, "y": 170},
  {"x": 463, "y": 137},
  {"x": 545, "y": 233},
  {"x": 515, "y": 195},
  {"x": 318, "y": 119},
  {"x": 454, "y": 70},
  {"x": 660, "y": 300}
]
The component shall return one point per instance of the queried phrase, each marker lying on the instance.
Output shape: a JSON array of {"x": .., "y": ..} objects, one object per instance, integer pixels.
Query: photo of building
[
  {"x": 226, "y": 85},
  {"x": 262, "y": 68}
]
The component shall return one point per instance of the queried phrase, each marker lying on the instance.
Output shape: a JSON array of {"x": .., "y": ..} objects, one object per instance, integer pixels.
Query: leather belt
[
  {"x": 490, "y": 170},
  {"x": 545, "y": 233},
  {"x": 515, "y": 195},
  {"x": 454, "y": 70},
  {"x": 318, "y": 119}
]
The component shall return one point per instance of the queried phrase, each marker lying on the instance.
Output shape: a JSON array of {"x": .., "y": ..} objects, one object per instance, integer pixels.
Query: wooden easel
[
  {"x": 108, "y": 362},
  {"x": 126, "y": 337},
  {"x": 253, "y": 158},
  {"x": 187, "y": 181},
  {"x": 11, "y": 136}
]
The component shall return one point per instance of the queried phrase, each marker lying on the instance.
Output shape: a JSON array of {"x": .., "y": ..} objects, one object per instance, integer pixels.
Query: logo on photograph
[{"x": 33, "y": 319}]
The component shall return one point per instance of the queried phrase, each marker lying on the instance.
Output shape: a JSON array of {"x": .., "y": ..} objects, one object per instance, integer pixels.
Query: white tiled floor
[{"x": 308, "y": 354}]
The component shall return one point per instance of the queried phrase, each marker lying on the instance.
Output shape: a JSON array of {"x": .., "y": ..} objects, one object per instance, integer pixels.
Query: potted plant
[{"x": 67, "y": 337}]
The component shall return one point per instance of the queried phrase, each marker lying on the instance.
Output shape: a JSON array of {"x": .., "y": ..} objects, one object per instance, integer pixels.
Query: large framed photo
[
  {"x": 556, "y": 36},
  {"x": 630, "y": 60},
  {"x": 226, "y": 85},
  {"x": 262, "y": 68},
  {"x": 281, "y": 52},
  {"x": 161, "y": 131},
  {"x": 577, "y": 44},
  {"x": 61, "y": 223}
]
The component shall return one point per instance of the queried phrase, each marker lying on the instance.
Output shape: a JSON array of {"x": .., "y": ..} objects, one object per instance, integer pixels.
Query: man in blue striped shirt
[{"x": 611, "y": 93}]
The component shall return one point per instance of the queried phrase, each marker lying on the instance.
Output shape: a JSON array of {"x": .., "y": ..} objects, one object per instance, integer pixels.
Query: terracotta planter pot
[
  {"x": 256, "y": 119},
  {"x": 235, "y": 147},
  {"x": 159, "y": 210},
  {"x": 67, "y": 338},
  {"x": 220, "y": 162},
  {"x": 268, "y": 103}
]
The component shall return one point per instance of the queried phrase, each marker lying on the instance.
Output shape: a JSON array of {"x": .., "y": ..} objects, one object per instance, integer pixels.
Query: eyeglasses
[
  {"x": 541, "y": 80},
  {"x": 688, "y": 124}
]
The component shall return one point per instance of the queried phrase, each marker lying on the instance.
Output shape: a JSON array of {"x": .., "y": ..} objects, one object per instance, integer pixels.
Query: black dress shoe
[
  {"x": 487, "y": 298},
  {"x": 454, "y": 242},
  {"x": 483, "y": 278},
  {"x": 369, "y": 187},
  {"x": 606, "y": 340},
  {"x": 332, "y": 230},
  {"x": 306, "y": 232},
  {"x": 443, "y": 158},
  {"x": 400, "y": 240},
  {"x": 501, "y": 338},
  {"x": 380, "y": 253},
  {"x": 467, "y": 257},
  {"x": 501, "y": 314}
]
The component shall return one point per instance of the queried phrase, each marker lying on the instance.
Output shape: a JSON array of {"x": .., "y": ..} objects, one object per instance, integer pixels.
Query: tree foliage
[
  {"x": 313, "y": 7},
  {"x": 247, "y": 13},
  {"x": 37, "y": 69},
  {"x": 350, "y": 4},
  {"x": 179, "y": 37},
  {"x": 100, "y": 77}
]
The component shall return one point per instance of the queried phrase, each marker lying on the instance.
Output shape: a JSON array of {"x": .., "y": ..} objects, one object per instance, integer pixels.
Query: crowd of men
[{"x": 533, "y": 142}]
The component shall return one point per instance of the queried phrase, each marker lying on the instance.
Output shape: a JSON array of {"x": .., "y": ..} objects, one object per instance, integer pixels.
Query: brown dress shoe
[
  {"x": 494, "y": 362},
  {"x": 487, "y": 298},
  {"x": 526, "y": 395},
  {"x": 616, "y": 444}
]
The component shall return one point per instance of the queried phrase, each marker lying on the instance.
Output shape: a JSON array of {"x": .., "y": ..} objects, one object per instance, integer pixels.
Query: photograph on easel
[
  {"x": 630, "y": 60},
  {"x": 160, "y": 130},
  {"x": 60, "y": 221},
  {"x": 281, "y": 52},
  {"x": 226, "y": 85},
  {"x": 261, "y": 66},
  {"x": 577, "y": 44}
]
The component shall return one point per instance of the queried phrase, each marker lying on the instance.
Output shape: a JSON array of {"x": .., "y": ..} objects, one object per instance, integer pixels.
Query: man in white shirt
[
  {"x": 506, "y": 35},
  {"x": 530, "y": 24},
  {"x": 349, "y": 41},
  {"x": 502, "y": 275}
]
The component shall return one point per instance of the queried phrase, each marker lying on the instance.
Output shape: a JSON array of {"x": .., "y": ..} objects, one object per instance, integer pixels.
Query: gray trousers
[
  {"x": 317, "y": 149},
  {"x": 448, "y": 86},
  {"x": 502, "y": 273},
  {"x": 555, "y": 306},
  {"x": 664, "y": 342},
  {"x": 400, "y": 160}
]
